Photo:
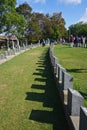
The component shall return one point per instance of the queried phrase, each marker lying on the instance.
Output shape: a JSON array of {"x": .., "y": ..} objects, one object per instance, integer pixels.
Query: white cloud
[
  {"x": 34, "y": 1},
  {"x": 84, "y": 17},
  {"x": 39, "y": 1},
  {"x": 71, "y": 1}
]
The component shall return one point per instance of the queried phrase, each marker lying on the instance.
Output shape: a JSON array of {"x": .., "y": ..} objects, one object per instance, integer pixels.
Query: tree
[
  {"x": 25, "y": 10},
  {"x": 78, "y": 29},
  {"x": 33, "y": 31},
  {"x": 6, "y": 6},
  {"x": 14, "y": 24},
  {"x": 47, "y": 27},
  {"x": 58, "y": 24},
  {"x": 10, "y": 21},
  {"x": 39, "y": 26}
]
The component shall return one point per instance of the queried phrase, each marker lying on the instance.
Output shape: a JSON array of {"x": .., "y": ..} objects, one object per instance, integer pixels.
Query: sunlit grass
[
  {"x": 1, "y": 51},
  {"x": 75, "y": 62},
  {"x": 28, "y": 95}
]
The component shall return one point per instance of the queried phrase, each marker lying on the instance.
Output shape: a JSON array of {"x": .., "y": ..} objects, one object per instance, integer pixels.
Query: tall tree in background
[
  {"x": 78, "y": 29},
  {"x": 47, "y": 29},
  {"x": 25, "y": 10},
  {"x": 33, "y": 32},
  {"x": 41, "y": 26},
  {"x": 10, "y": 21},
  {"x": 6, "y": 6},
  {"x": 58, "y": 24},
  {"x": 22, "y": 22}
]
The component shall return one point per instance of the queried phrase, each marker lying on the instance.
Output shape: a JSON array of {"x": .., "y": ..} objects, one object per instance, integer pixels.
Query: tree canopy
[
  {"x": 10, "y": 21},
  {"x": 23, "y": 22},
  {"x": 79, "y": 29}
]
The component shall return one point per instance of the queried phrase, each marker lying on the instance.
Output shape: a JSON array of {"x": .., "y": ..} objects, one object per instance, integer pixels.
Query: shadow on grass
[
  {"x": 77, "y": 70},
  {"x": 84, "y": 95},
  {"x": 33, "y": 96},
  {"x": 37, "y": 86},
  {"x": 49, "y": 97}
]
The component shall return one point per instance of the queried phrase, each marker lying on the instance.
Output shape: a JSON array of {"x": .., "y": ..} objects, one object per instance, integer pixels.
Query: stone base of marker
[{"x": 73, "y": 122}]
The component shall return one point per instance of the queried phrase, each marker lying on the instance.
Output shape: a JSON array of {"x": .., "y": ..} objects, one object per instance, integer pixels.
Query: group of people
[
  {"x": 77, "y": 41},
  {"x": 46, "y": 41}
]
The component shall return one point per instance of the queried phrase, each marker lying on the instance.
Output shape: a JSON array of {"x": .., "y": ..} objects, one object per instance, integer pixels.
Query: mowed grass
[
  {"x": 1, "y": 51},
  {"x": 75, "y": 62},
  {"x": 28, "y": 95}
]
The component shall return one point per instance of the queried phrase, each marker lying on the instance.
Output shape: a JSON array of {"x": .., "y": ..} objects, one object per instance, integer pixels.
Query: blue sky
[{"x": 72, "y": 10}]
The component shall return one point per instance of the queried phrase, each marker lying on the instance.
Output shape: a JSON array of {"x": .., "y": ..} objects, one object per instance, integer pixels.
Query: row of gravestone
[
  {"x": 72, "y": 100},
  {"x": 15, "y": 51}
]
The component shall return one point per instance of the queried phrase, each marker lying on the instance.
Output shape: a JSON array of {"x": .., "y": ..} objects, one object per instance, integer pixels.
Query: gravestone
[
  {"x": 67, "y": 80},
  {"x": 6, "y": 53},
  {"x": 57, "y": 70},
  {"x": 83, "y": 118},
  {"x": 2, "y": 56},
  {"x": 75, "y": 101},
  {"x": 56, "y": 61},
  {"x": 60, "y": 70}
]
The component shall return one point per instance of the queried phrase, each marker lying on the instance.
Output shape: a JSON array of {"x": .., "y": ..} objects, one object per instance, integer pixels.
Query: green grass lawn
[
  {"x": 28, "y": 95},
  {"x": 75, "y": 62},
  {"x": 1, "y": 51}
]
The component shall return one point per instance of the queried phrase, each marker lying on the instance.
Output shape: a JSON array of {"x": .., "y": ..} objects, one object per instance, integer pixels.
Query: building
[{"x": 8, "y": 42}]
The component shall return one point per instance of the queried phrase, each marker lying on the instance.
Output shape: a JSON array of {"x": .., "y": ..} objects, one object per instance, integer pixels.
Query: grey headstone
[
  {"x": 67, "y": 80},
  {"x": 2, "y": 56},
  {"x": 14, "y": 51},
  {"x": 60, "y": 70},
  {"x": 56, "y": 61},
  {"x": 83, "y": 119},
  {"x": 9, "y": 53},
  {"x": 50, "y": 53},
  {"x": 51, "y": 56},
  {"x": 57, "y": 70},
  {"x": 75, "y": 101},
  {"x": 6, "y": 53},
  {"x": 53, "y": 61}
]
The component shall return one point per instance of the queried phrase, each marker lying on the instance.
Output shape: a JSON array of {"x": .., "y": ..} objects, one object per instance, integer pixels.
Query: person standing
[
  {"x": 76, "y": 41},
  {"x": 83, "y": 41},
  {"x": 71, "y": 41}
]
